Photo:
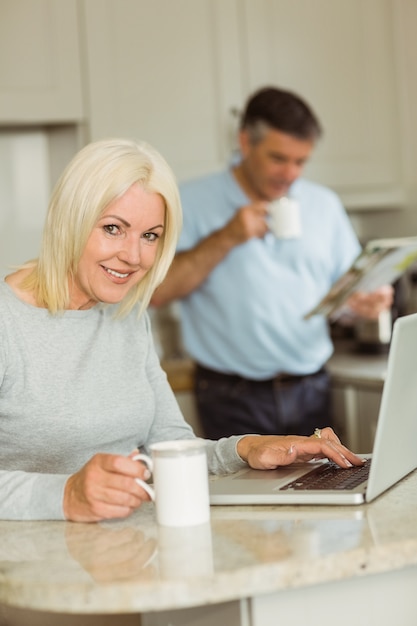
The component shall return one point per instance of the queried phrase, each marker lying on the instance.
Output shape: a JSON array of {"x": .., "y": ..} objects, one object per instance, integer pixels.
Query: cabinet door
[
  {"x": 369, "y": 401},
  {"x": 167, "y": 73},
  {"x": 340, "y": 416},
  {"x": 355, "y": 413},
  {"x": 40, "y": 79},
  {"x": 340, "y": 56}
]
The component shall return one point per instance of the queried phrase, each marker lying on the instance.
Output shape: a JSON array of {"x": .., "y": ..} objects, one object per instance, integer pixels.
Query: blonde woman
[{"x": 81, "y": 387}]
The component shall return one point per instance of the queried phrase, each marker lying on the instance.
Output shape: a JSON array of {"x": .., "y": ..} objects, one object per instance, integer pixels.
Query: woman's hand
[
  {"x": 105, "y": 488},
  {"x": 271, "y": 451}
]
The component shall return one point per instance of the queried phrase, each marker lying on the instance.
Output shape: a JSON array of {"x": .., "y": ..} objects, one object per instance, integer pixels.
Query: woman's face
[{"x": 120, "y": 250}]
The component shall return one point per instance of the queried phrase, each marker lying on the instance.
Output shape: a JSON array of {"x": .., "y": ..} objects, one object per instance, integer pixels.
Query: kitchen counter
[
  {"x": 249, "y": 557},
  {"x": 357, "y": 382},
  {"x": 347, "y": 365},
  {"x": 180, "y": 373}
]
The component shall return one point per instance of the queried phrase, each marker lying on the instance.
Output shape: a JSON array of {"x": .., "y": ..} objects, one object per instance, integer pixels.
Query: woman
[{"x": 81, "y": 388}]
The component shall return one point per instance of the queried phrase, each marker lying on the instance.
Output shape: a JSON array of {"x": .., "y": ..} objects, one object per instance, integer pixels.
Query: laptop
[{"x": 394, "y": 454}]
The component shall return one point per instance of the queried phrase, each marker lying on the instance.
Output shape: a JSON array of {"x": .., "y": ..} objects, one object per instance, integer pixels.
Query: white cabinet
[
  {"x": 172, "y": 73},
  {"x": 341, "y": 56},
  {"x": 167, "y": 73},
  {"x": 355, "y": 411},
  {"x": 383, "y": 599},
  {"x": 40, "y": 67}
]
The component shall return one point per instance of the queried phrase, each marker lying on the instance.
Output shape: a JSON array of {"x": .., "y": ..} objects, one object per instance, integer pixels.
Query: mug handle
[{"x": 148, "y": 462}]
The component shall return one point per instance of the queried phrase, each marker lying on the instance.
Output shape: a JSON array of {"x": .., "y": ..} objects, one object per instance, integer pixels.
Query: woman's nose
[{"x": 130, "y": 251}]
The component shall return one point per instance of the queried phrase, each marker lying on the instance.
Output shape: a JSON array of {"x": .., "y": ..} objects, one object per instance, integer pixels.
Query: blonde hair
[{"x": 99, "y": 174}]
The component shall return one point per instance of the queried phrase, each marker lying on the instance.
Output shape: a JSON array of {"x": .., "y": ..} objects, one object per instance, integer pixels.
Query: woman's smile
[{"x": 117, "y": 274}]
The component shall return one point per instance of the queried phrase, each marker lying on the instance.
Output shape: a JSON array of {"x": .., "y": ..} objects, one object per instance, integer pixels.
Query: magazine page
[{"x": 381, "y": 262}]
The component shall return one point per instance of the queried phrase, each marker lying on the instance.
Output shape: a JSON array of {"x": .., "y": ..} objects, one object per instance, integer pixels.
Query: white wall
[
  {"x": 31, "y": 159},
  {"x": 24, "y": 191}
]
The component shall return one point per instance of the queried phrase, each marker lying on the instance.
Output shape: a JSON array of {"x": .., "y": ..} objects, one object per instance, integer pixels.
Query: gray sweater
[{"x": 72, "y": 385}]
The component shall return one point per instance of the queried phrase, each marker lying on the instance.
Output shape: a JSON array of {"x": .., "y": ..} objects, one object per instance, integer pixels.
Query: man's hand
[
  {"x": 248, "y": 222},
  {"x": 370, "y": 305}
]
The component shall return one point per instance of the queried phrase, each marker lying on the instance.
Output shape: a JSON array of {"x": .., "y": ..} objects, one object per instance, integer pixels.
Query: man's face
[{"x": 273, "y": 164}]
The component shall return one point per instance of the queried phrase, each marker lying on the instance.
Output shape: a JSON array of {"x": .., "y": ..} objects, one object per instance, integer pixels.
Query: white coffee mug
[
  {"x": 284, "y": 218},
  {"x": 180, "y": 481}
]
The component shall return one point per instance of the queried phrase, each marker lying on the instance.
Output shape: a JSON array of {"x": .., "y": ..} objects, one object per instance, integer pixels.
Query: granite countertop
[{"x": 131, "y": 566}]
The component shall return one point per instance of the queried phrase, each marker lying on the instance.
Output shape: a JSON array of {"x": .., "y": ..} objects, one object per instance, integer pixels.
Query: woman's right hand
[
  {"x": 272, "y": 451},
  {"x": 105, "y": 488}
]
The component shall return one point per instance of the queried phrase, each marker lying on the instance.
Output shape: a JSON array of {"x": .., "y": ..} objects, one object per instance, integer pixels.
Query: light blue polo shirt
[{"x": 247, "y": 316}]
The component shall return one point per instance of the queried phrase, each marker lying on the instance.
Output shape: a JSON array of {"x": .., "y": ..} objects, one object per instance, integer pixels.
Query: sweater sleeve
[
  {"x": 31, "y": 496},
  {"x": 28, "y": 495},
  {"x": 222, "y": 456}
]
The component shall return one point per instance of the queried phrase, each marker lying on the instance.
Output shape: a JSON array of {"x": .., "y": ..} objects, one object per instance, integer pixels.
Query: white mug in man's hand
[
  {"x": 284, "y": 218},
  {"x": 180, "y": 491}
]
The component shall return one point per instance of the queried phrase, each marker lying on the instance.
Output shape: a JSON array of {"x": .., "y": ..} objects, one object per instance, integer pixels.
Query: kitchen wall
[
  {"x": 24, "y": 190},
  {"x": 31, "y": 159},
  {"x": 80, "y": 94}
]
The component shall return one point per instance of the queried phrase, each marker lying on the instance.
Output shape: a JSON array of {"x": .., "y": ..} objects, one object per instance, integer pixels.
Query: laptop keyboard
[{"x": 331, "y": 476}]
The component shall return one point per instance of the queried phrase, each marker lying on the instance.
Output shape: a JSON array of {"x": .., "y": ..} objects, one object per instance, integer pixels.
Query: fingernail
[
  {"x": 291, "y": 450},
  {"x": 146, "y": 474}
]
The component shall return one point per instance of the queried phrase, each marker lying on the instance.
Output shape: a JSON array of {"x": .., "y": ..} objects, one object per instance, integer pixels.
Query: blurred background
[{"x": 176, "y": 74}]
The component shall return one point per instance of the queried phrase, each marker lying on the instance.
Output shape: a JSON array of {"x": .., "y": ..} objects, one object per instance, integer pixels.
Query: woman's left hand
[{"x": 272, "y": 451}]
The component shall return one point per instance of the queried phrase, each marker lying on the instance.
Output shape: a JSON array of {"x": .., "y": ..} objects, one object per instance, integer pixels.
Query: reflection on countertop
[{"x": 132, "y": 566}]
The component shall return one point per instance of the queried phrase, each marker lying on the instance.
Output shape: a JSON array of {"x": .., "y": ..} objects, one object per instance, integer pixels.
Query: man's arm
[{"x": 190, "y": 268}]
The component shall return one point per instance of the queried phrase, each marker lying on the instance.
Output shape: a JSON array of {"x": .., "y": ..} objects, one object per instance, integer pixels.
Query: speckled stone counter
[{"x": 130, "y": 566}]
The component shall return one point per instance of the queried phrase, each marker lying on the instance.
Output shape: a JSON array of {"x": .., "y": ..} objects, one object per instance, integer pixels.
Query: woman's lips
[{"x": 116, "y": 274}]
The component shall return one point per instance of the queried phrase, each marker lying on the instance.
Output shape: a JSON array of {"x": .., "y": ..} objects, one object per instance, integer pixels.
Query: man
[{"x": 244, "y": 293}]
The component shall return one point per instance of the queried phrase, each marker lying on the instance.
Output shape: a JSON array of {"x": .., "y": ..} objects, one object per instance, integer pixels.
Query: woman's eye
[
  {"x": 112, "y": 229},
  {"x": 151, "y": 236}
]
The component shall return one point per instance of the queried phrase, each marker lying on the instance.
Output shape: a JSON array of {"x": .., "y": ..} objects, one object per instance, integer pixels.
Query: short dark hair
[{"x": 281, "y": 110}]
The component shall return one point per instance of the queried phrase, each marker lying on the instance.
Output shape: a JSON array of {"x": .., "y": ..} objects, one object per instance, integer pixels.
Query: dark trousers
[{"x": 232, "y": 405}]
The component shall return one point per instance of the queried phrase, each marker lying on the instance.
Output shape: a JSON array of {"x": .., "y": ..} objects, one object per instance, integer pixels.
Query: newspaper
[{"x": 381, "y": 262}]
